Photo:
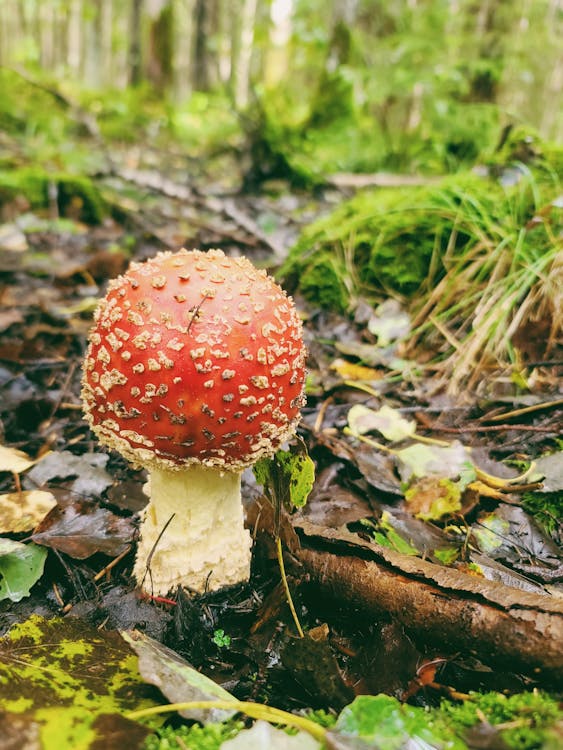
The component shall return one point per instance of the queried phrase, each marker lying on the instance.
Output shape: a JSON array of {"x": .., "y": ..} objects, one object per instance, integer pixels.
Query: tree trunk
[
  {"x": 135, "y": 43},
  {"x": 241, "y": 53},
  {"x": 201, "y": 62},
  {"x": 160, "y": 63}
]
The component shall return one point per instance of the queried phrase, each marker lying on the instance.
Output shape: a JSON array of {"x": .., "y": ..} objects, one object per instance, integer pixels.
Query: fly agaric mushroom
[{"x": 195, "y": 369}]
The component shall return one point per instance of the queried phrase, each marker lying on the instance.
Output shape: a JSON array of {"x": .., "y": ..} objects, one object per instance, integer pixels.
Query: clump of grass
[
  {"x": 479, "y": 263},
  {"x": 504, "y": 284}
]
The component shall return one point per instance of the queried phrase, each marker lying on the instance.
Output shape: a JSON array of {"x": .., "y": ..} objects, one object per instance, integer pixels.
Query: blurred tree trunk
[
  {"x": 241, "y": 52},
  {"x": 160, "y": 62},
  {"x": 135, "y": 43},
  {"x": 201, "y": 63},
  {"x": 92, "y": 52},
  {"x": 74, "y": 40},
  {"x": 334, "y": 95},
  {"x": 276, "y": 62}
]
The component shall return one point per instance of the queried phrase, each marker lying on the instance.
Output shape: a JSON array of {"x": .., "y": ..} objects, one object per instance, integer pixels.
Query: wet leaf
[
  {"x": 313, "y": 665},
  {"x": 385, "y": 535},
  {"x": 22, "y": 511},
  {"x": 263, "y": 736},
  {"x": 71, "y": 681},
  {"x": 378, "y": 469},
  {"x": 489, "y": 532},
  {"x": 21, "y": 566},
  {"x": 386, "y": 420},
  {"x": 82, "y": 528},
  {"x": 432, "y": 460},
  {"x": 177, "y": 679},
  {"x": 431, "y": 499},
  {"x": 511, "y": 536},
  {"x": 92, "y": 479}
]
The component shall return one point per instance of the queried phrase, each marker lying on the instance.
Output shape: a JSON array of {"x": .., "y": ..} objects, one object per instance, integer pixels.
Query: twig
[
  {"x": 112, "y": 564},
  {"x": 525, "y": 410},
  {"x": 286, "y": 587}
]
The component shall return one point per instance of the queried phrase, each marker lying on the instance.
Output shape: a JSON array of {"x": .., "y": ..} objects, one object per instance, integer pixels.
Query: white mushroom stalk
[
  {"x": 195, "y": 369},
  {"x": 188, "y": 510}
]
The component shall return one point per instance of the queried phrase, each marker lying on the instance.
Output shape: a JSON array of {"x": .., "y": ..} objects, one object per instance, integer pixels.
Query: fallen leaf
[
  {"x": 22, "y": 511},
  {"x": 352, "y": 371},
  {"x": 433, "y": 498},
  {"x": 389, "y": 322},
  {"x": 91, "y": 477},
  {"x": 74, "y": 682},
  {"x": 82, "y": 528},
  {"x": 177, "y": 679},
  {"x": 21, "y": 566},
  {"x": 9, "y": 317},
  {"x": 389, "y": 422},
  {"x": 263, "y": 736},
  {"x": 420, "y": 460},
  {"x": 14, "y": 460},
  {"x": 551, "y": 469}
]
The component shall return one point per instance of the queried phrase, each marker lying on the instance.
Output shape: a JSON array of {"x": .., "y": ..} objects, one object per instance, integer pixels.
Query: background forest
[{"x": 349, "y": 84}]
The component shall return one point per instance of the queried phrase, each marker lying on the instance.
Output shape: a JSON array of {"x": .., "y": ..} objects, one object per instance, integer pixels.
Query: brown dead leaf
[{"x": 83, "y": 528}]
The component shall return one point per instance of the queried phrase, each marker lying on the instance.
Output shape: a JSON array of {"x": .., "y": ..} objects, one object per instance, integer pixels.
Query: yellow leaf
[
  {"x": 486, "y": 490},
  {"x": 22, "y": 511},
  {"x": 350, "y": 371},
  {"x": 14, "y": 460}
]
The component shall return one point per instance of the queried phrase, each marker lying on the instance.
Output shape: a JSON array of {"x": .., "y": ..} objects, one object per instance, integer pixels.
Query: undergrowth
[{"x": 479, "y": 262}]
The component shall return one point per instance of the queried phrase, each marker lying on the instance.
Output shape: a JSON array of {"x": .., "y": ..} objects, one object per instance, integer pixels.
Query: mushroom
[{"x": 195, "y": 369}]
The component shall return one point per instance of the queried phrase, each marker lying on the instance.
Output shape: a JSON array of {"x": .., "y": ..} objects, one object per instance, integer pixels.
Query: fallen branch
[{"x": 499, "y": 624}]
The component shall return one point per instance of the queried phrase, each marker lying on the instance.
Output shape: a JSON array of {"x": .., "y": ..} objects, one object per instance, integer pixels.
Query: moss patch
[
  {"x": 403, "y": 240},
  {"x": 76, "y": 196}
]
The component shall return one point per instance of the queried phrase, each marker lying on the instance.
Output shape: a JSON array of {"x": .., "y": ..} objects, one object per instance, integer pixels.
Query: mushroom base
[{"x": 205, "y": 546}]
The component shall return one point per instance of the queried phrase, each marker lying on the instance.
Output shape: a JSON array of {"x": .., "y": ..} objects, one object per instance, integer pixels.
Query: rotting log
[{"x": 500, "y": 625}]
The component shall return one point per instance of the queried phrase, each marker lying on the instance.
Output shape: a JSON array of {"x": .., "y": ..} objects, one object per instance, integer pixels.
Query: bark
[{"x": 501, "y": 625}]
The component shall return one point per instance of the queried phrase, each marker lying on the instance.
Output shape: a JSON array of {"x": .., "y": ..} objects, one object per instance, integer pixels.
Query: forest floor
[{"x": 395, "y": 595}]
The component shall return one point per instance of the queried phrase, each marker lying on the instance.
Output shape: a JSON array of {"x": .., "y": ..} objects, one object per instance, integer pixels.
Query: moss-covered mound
[
  {"x": 403, "y": 240},
  {"x": 76, "y": 197}
]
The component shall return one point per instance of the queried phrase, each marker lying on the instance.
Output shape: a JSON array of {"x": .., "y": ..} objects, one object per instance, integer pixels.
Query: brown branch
[{"x": 499, "y": 624}]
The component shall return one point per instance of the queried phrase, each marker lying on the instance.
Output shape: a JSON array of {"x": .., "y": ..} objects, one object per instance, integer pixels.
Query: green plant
[{"x": 221, "y": 639}]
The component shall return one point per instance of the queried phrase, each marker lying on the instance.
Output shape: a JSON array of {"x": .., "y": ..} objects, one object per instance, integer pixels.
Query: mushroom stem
[{"x": 192, "y": 532}]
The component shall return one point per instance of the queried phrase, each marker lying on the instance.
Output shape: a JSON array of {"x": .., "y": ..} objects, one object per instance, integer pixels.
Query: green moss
[
  {"x": 403, "y": 240},
  {"x": 547, "y": 509},
  {"x": 209, "y": 737},
  {"x": 398, "y": 236},
  {"x": 525, "y": 721},
  {"x": 322, "y": 283},
  {"x": 76, "y": 196},
  {"x": 530, "y": 716}
]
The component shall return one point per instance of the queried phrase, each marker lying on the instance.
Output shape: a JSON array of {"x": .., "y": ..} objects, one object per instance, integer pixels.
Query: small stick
[{"x": 112, "y": 564}]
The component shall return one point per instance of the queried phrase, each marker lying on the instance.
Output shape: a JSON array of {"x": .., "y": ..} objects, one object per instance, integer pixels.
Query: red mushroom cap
[{"x": 194, "y": 357}]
